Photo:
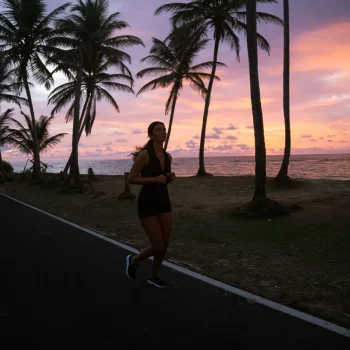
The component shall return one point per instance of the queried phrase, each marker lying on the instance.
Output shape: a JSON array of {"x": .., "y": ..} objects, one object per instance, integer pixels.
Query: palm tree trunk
[
  {"x": 81, "y": 126},
  {"x": 75, "y": 137},
  {"x": 171, "y": 119},
  {"x": 260, "y": 150},
  {"x": 283, "y": 173},
  {"x": 36, "y": 151},
  {"x": 201, "y": 171},
  {"x": 2, "y": 168}
]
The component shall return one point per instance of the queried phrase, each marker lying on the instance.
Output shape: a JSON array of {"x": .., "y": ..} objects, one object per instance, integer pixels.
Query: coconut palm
[
  {"x": 283, "y": 173},
  {"x": 9, "y": 90},
  {"x": 25, "y": 28},
  {"x": 260, "y": 150},
  {"x": 226, "y": 20},
  {"x": 172, "y": 63},
  {"x": 5, "y": 119},
  {"x": 22, "y": 137},
  {"x": 87, "y": 35},
  {"x": 95, "y": 86}
]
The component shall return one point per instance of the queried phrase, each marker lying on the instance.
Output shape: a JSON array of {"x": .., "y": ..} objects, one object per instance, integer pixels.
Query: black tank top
[
  {"x": 154, "y": 197},
  {"x": 153, "y": 168}
]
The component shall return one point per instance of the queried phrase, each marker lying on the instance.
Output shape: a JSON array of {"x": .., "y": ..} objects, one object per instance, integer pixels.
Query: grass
[{"x": 301, "y": 260}]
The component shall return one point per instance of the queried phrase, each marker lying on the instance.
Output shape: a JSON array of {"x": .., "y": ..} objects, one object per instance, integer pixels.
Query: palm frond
[
  {"x": 117, "y": 86},
  {"x": 152, "y": 71},
  {"x": 197, "y": 84},
  {"x": 157, "y": 60},
  {"x": 22, "y": 137},
  {"x": 174, "y": 7},
  {"x": 123, "y": 41},
  {"x": 205, "y": 65},
  {"x": 163, "y": 82},
  {"x": 263, "y": 43},
  {"x": 5, "y": 120},
  {"x": 51, "y": 142}
]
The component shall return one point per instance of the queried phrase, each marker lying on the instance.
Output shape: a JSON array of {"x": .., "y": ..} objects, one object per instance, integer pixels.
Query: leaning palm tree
[
  {"x": 22, "y": 137},
  {"x": 283, "y": 173},
  {"x": 226, "y": 19},
  {"x": 172, "y": 62},
  {"x": 9, "y": 90},
  {"x": 87, "y": 36},
  {"x": 5, "y": 119},
  {"x": 25, "y": 28},
  {"x": 95, "y": 86},
  {"x": 260, "y": 149}
]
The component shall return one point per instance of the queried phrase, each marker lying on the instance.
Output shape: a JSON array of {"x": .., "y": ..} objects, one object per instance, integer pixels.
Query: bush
[{"x": 7, "y": 166}]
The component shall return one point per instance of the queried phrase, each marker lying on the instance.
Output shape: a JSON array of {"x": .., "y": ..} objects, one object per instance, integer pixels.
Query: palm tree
[
  {"x": 94, "y": 86},
  {"x": 88, "y": 36},
  {"x": 24, "y": 34},
  {"x": 283, "y": 173},
  {"x": 22, "y": 138},
  {"x": 260, "y": 150},
  {"x": 5, "y": 119},
  {"x": 172, "y": 64},
  {"x": 226, "y": 20},
  {"x": 9, "y": 90}
]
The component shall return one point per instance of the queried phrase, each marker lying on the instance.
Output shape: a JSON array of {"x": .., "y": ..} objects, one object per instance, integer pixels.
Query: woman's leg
[
  {"x": 154, "y": 233},
  {"x": 165, "y": 222}
]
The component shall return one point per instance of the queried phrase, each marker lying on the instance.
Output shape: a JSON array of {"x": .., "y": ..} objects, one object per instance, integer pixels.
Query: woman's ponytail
[{"x": 139, "y": 149}]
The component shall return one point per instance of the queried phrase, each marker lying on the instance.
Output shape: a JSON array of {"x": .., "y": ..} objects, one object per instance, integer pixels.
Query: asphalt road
[{"x": 61, "y": 288}]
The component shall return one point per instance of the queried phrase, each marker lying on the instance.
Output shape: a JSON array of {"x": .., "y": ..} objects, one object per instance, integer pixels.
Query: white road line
[{"x": 251, "y": 297}]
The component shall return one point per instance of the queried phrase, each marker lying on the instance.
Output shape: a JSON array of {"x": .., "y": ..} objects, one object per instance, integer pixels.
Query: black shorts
[{"x": 153, "y": 201}]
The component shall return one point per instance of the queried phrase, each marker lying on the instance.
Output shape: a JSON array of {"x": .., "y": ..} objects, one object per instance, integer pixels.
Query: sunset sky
[{"x": 320, "y": 91}]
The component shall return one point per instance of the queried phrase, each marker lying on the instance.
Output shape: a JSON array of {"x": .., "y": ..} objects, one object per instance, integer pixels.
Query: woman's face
[{"x": 159, "y": 133}]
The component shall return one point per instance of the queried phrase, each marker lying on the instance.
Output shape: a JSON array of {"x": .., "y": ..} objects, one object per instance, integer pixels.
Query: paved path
[{"x": 61, "y": 288}]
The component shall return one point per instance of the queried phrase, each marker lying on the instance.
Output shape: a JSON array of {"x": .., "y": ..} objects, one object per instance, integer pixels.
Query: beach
[
  {"x": 301, "y": 260},
  {"x": 308, "y": 166}
]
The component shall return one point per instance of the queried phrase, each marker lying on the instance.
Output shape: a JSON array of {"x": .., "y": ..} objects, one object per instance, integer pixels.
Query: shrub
[{"x": 7, "y": 166}]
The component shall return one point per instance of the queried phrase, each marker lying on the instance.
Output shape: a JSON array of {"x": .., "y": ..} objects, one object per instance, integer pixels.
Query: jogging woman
[{"x": 152, "y": 170}]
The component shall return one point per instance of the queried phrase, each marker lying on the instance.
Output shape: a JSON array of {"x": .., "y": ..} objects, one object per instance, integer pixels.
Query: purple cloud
[
  {"x": 191, "y": 144},
  {"x": 121, "y": 140},
  {"x": 218, "y": 130},
  {"x": 244, "y": 147},
  {"x": 223, "y": 148},
  {"x": 230, "y": 137},
  {"x": 231, "y": 127},
  {"x": 212, "y": 136}
]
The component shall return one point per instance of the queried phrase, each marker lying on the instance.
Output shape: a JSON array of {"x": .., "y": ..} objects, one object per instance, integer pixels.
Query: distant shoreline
[{"x": 194, "y": 157}]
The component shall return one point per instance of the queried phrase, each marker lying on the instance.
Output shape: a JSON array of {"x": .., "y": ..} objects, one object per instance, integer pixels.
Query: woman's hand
[
  {"x": 171, "y": 176},
  {"x": 161, "y": 179}
]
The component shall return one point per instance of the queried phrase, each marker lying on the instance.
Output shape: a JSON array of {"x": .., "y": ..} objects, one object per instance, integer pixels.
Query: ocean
[{"x": 315, "y": 166}]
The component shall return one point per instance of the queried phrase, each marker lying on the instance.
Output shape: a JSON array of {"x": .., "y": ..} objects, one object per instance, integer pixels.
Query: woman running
[{"x": 152, "y": 170}]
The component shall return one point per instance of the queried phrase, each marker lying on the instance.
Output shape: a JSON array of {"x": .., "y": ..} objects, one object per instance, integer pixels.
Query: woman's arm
[{"x": 135, "y": 172}]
